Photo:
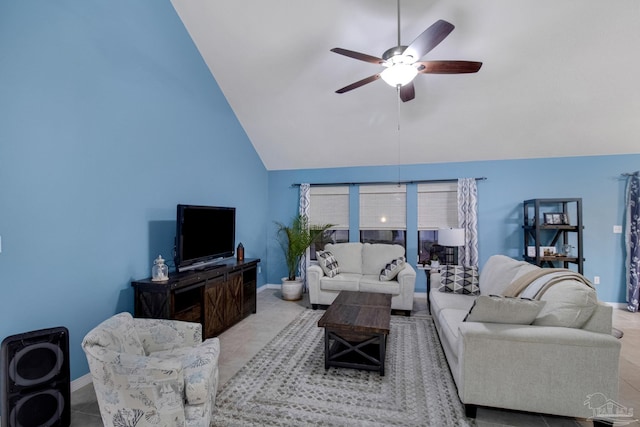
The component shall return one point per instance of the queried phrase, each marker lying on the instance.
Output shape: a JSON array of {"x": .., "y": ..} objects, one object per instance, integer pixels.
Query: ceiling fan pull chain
[
  {"x": 398, "y": 132},
  {"x": 398, "y": 98}
]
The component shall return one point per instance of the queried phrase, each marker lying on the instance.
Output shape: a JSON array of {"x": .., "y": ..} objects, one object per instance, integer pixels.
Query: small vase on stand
[{"x": 159, "y": 271}]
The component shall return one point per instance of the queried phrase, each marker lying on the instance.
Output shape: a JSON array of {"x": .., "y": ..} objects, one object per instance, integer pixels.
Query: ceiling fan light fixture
[{"x": 399, "y": 74}]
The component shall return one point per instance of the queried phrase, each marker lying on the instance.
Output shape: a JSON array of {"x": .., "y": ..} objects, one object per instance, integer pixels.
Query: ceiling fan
[{"x": 402, "y": 63}]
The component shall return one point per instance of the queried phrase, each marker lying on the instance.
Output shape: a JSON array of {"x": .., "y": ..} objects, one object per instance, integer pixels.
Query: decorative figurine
[{"x": 159, "y": 271}]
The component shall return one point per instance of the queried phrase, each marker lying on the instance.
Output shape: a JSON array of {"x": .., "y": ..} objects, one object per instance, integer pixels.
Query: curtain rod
[{"x": 328, "y": 184}]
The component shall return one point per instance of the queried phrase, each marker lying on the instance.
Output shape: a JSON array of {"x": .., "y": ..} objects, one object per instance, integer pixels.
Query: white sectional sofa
[
  {"x": 552, "y": 366},
  {"x": 359, "y": 270}
]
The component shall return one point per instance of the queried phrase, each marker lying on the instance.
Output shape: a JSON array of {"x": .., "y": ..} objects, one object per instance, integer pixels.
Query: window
[
  {"x": 329, "y": 205},
  {"x": 329, "y": 236},
  {"x": 397, "y": 237},
  {"x": 437, "y": 208},
  {"x": 383, "y": 214}
]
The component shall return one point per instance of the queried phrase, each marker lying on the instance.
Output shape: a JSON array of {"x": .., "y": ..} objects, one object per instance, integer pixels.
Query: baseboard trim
[
  {"x": 268, "y": 286},
  {"x": 78, "y": 383},
  {"x": 618, "y": 305}
]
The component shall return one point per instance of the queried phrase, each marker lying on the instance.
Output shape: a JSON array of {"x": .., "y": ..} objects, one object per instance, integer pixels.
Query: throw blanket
[{"x": 540, "y": 281}]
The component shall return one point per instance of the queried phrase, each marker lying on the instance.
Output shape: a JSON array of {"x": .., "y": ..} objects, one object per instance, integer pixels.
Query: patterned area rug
[{"x": 286, "y": 384}]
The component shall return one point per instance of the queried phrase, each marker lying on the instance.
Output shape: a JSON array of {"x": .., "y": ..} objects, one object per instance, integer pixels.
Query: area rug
[{"x": 286, "y": 384}]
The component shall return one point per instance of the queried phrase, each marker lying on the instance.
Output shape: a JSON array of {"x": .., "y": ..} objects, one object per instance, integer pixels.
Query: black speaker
[{"x": 36, "y": 388}]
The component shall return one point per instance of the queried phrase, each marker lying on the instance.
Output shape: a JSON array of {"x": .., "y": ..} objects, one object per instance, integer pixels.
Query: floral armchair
[{"x": 152, "y": 372}]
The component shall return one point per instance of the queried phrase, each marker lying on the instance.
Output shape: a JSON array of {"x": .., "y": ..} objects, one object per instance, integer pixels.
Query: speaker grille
[
  {"x": 38, "y": 409},
  {"x": 36, "y": 364},
  {"x": 35, "y": 377}
]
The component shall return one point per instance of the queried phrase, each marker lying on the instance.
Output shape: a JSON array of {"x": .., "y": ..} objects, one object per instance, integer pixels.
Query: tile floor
[{"x": 245, "y": 339}]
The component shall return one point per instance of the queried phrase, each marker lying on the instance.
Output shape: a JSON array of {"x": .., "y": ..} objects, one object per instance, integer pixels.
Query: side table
[{"x": 427, "y": 271}]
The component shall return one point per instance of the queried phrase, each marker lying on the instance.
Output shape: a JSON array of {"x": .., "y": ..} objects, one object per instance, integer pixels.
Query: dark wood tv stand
[{"x": 218, "y": 298}]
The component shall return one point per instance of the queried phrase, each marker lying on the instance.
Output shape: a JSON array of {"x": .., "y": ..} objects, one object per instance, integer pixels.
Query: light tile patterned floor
[{"x": 245, "y": 339}]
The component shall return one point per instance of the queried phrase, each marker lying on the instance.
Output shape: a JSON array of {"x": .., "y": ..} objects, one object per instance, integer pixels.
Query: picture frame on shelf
[
  {"x": 544, "y": 251},
  {"x": 556, "y": 218}
]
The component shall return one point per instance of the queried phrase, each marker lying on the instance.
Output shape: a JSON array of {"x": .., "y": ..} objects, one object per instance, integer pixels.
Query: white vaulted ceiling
[{"x": 559, "y": 78}]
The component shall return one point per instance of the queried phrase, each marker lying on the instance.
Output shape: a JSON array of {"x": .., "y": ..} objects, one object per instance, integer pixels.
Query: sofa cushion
[
  {"x": 524, "y": 269},
  {"x": 376, "y": 255},
  {"x": 391, "y": 270},
  {"x": 341, "y": 282},
  {"x": 568, "y": 303},
  {"x": 348, "y": 255},
  {"x": 199, "y": 366},
  {"x": 328, "y": 263},
  {"x": 459, "y": 280},
  {"x": 441, "y": 300},
  {"x": 450, "y": 320},
  {"x": 498, "y": 273},
  {"x": 498, "y": 309},
  {"x": 369, "y": 283}
]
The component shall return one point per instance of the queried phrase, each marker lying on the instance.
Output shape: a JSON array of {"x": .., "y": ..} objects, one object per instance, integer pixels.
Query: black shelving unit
[{"x": 555, "y": 231}]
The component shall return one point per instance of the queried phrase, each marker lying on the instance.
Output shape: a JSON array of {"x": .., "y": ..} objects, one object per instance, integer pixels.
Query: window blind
[
  {"x": 383, "y": 207},
  {"x": 437, "y": 205},
  {"x": 330, "y": 205}
]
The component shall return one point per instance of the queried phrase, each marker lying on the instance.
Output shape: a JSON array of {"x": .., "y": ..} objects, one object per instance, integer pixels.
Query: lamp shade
[
  {"x": 399, "y": 74},
  {"x": 451, "y": 237}
]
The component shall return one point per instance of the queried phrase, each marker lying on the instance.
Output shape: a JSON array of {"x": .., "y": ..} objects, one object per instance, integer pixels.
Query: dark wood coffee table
[{"x": 356, "y": 326}]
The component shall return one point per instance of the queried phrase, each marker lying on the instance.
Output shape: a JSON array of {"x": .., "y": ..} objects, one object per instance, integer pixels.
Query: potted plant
[
  {"x": 435, "y": 260},
  {"x": 294, "y": 239}
]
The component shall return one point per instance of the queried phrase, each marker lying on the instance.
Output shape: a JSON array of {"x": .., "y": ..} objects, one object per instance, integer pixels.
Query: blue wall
[
  {"x": 596, "y": 180},
  {"x": 108, "y": 119}
]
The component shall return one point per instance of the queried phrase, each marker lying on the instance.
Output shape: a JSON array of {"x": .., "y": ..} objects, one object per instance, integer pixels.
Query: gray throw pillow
[
  {"x": 328, "y": 263},
  {"x": 391, "y": 270},
  {"x": 459, "y": 279},
  {"x": 569, "y": 304},
  {"x": 499, "y": 309}
]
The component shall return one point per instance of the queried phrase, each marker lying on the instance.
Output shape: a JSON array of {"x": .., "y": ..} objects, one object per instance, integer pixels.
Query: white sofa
[
  {"x": 360, "y": 265},
  {"x": 529, "y": 367}
]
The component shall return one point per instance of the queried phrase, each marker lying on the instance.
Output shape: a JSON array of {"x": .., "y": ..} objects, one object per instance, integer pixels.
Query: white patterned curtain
[
  {"x": 305, "y": 200},
  {"x": 468, "y": 220},
  {"x": 632, "y": 238}
]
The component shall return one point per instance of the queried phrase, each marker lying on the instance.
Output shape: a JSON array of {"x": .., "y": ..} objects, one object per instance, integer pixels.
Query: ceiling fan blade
[
  {"x": 448, "y": 67},
  {"x": 357, "y": 55},
  {"x": 429, "y": 39},
  {"x": 359, "y": 83},
  {"x": 407, "y": 92}
]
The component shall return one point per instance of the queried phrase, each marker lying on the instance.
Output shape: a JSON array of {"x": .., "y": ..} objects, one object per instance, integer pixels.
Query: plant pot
[{"x": 291, "y": 289}]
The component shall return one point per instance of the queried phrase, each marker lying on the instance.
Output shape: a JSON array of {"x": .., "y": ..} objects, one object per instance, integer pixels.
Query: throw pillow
[
  {"x": 328, "y": 263},
  {"x": 569, "y": 304},
  {"x": 498, "y": 309},
  {"x": 459, "y": 279},
  {"x": 391, "y": 270}
]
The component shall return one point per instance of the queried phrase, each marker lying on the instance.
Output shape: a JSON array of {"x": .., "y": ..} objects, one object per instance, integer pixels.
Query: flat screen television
[{"x": 204, "y": 234}]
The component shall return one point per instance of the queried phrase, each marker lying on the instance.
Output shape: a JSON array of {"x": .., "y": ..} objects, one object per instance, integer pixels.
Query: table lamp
[{"x": 451, "y": 238}]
